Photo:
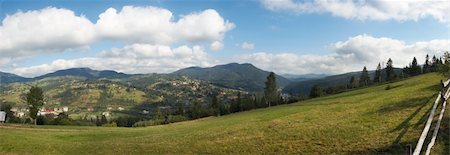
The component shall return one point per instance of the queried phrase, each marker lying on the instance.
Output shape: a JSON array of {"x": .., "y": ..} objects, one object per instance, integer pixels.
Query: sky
[{"x": 162, "y": 36}]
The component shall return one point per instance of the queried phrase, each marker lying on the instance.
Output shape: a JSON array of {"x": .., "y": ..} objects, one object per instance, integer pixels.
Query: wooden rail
[
  {"x": 438, "y": 125},
  {"x": 423, "y": 136}
]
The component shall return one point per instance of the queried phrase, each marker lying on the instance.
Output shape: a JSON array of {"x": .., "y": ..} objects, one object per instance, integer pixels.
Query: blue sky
[{"x": 286, "y": 36}]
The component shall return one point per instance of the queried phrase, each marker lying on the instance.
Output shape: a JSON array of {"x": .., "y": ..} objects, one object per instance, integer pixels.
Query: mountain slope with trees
[
  {"x": 236, "y": 76},
  {"x": 370, "y": 120}
]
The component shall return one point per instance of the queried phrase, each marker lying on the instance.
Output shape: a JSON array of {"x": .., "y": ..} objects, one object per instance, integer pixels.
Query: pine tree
[
  {"x": 434, "y": 64},
  {"x": 270, "y": 91},
  {"x": 427, "y": 65},
  {"x": 377, "y": 77},
  {"x": 415, "y": 68},
  {"x": 390, "y": 74},
  {"x": 364, "y": 78}
]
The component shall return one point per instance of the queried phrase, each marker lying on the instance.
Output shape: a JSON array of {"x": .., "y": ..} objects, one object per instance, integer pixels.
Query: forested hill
[{"x": 237, "y": 76}]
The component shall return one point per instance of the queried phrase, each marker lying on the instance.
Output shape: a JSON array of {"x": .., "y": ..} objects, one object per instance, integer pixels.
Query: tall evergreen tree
[
  {"x": 35, "y": 100},
  {"x": 427, "y": 65},
  {"x": 415, "y": 68},
  {"x": 364, "y": 78},
  {"x": 434, "y": 64},
  {"x": 377, "y": 77},
  {"x": 270, "y": 91},
  {"x": 390, "y": 74}
]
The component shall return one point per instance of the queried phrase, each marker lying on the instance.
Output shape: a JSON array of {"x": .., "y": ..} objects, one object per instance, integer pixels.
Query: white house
[{"x": 2, "y": 116}]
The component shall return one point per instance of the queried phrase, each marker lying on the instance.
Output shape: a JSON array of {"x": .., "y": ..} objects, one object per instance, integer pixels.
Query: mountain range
[{"x": 236, "y": 76}]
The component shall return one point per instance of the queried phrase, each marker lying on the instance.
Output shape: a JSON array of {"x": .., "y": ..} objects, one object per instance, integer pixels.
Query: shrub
[{"x": 112, "y": 124}]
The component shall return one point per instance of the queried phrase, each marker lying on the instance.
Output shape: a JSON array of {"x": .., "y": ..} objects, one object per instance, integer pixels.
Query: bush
[
  {"x": 63, "y": 121},
  {"x": 177, "y": 118},
  {"x": 112, "y": 124},
  {"x": 84, "y": 123},
  {"x": 144, "y": 123}
]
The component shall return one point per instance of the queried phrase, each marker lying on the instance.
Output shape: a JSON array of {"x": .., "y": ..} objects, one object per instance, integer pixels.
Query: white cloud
[
  {"x": 247, "y": 46},
  {"x": 216, "y": 46},
  {"x": 44, "y": 31},
  {"x": 155, "y": 25},
  {"x": 367, "y": 9},
  {"x": 349, "y": 55},
  {"x": 51, "y": 30},
  {"x": 135, "y": 58}
]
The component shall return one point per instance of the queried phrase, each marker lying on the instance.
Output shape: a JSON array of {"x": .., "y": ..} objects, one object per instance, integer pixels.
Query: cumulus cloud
[
  {"x": 44, "y": 31},
  {"x": 247, "y": 46},
  {"x": 216, "y": 46},
  {"x": 367, "y": 9},
  {"x": 50, "y": 30},
  {"x": 135, "y": 58},
  {"x": 155, "y": 25},
  {"x": 349, "y": 55}
]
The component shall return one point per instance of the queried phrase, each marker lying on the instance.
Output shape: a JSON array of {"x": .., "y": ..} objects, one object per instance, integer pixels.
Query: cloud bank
[
  {"x": 349, "y": 55},
  {"x": 367, "y": 9},
  {"x": 52, "y": 30}
]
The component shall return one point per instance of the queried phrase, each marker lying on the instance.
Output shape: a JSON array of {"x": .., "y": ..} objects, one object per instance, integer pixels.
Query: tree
[
  {"x": 353, "y": 83},
  {"x": 364, "y": 78},
  {"x": 35, "y": 100},
  {"x": 316, "y": 91},
  {"x": 215, "y": 105},
  {"x": 390, "y": 74},
  {"x": 270, "y": 91},
  {"x": 377, "y": 77},
  {"x": 427, "y": 65},
  {"x": 434, "y": 62},
  {"x": 103, "y": 120},
  {"x": 415, "y": 68},
  {"x": 444, "y": 68}
]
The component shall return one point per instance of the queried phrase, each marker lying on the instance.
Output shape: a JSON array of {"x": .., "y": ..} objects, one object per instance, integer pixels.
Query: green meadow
[{"x": 372, "y": 120}]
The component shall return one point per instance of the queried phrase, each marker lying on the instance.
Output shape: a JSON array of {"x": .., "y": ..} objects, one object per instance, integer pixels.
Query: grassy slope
[{"x": 363, "y": 121}]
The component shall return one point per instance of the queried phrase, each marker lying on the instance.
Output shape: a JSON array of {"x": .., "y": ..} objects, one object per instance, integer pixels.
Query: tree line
[{"x": 387, "y": 74}]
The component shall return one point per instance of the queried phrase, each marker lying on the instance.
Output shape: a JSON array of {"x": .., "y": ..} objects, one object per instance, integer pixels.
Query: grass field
[{"x": 365, "y": 121}]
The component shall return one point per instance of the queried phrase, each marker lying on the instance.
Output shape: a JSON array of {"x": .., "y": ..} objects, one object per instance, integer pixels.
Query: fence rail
[{"x": 424, "y": 134}]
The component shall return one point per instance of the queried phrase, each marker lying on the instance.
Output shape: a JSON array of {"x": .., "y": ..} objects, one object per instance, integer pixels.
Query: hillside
[
  {"x": 236, "y": 76},
  {"x": 10, "y": 78},
  {"x": 365, "y": 121},
  {"x": 86, "y": 73},
  {"x": 93, "y": 96},
  {"x": 303, "y": 87}
]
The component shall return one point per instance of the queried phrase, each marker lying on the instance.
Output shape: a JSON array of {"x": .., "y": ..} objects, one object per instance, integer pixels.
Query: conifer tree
[
  {"x": 427, "y": 65},
  {"x": 364, "y": 78},
  {"x": 390, "y": 74},
  {"x": 377, "y": 77},
  {"x": 415, "y": 68}
]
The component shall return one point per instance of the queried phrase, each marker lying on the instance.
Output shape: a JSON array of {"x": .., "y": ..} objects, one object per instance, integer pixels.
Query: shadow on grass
[
  {"x": 406, "y": 124},
  {"x": 400, "y": 148}
]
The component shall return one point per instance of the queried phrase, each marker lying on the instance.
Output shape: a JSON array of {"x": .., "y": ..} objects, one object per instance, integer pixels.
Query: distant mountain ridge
[
  {"x": 85, "y": 72},
  {"x": 11, "y": 78},
  {"x": 303, "y": 77},
  {"x": 304, "y": 87},
  {"x": 237, "y": 76}
]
